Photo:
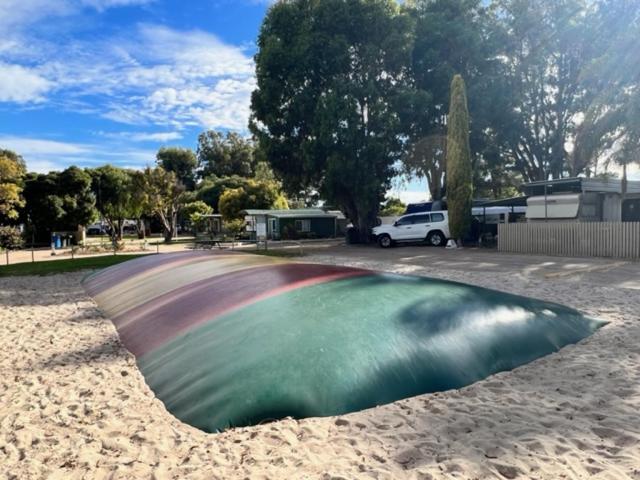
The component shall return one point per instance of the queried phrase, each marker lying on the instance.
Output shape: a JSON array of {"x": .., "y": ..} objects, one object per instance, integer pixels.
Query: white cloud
[
  {"x": 44, "y": 155},
  {"x": 101, "y": 5},
  {"x": 26, "y": 146},
  {"x": 19, "y": 13},
  {"x": 156, "y": 76},
  {"x": 22, "y": 85},
  {"x": 158, "y": 137}
]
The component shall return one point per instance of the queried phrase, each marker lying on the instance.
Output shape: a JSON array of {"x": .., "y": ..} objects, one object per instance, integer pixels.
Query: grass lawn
[
  {"x": 276, "y": 253},
  {"x": 62, "y": 266}
]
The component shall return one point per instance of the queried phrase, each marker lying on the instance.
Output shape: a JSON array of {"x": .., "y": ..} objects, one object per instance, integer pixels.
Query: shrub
[{"x": 10, "y": 238}]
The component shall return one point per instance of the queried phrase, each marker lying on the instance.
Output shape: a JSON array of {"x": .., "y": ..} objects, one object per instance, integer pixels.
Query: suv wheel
[
  {"x": 436, "y": 239},
  {"x": 385, "y": 241}
]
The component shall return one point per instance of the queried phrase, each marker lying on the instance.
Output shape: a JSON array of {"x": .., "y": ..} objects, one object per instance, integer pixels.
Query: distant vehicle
[
  {"x": 432, "y": 228},
  {"x": 95, "y": 230}
]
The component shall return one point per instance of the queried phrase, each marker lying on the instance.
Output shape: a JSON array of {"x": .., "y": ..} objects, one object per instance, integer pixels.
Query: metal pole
[
  {"x": 158, "y": 247},
  {"x": 546, "y": 217},
  {"x": 7, "y": 253}
]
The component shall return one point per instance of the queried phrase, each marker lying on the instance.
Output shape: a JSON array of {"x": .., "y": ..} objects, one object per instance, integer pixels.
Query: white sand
[{"x": 73, "y": 405}]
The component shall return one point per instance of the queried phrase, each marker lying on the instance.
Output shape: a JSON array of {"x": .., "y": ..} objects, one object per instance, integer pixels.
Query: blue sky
[{"x": 88, "y": 82}]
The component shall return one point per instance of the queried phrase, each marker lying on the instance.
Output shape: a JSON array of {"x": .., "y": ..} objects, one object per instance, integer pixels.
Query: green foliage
[
  {"x": 211, "y": 188},
  {"x": 224, "y": 156},
  {"x": 10, "y": 238},
  {"x": 252, "y": 195},
  {"x": 234, "y": 227},
  {"x": 12, "y": 172},
  {"x": 451, "y": 37},
  {"x": 58, "y": 201},
  {"x": 164, "y": 198},
  {"x": 332, "y": 77},
  {"x": 393, "y": 207},
  {"x": 113, "y": 189},
  {"x": 459, "y": 173},
  {"x": 63, "y": 266},
  {"x": 611, "y": 127},
  {"x": 195, "y": 212},
  {"x": 181, "y": 161},
  {"x": 549, "y": 46}
]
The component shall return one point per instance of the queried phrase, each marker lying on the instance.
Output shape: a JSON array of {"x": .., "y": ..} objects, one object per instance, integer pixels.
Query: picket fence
[{"x": 616, "y": 240}]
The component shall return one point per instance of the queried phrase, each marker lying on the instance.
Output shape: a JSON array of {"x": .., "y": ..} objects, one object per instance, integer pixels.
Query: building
[
  {"x": 293, "y": 224},
  {"x": 582, "y": 200}
]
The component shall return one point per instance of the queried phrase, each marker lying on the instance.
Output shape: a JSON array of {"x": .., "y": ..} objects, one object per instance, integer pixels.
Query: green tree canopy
[
  {"x": 58, "y": 201},
  {"x": 195, "y": 212},
  {"x": 12, "y": 172},
  {"x": 393, "y": 207},
  {"x": 211, "y": 188},
  {"x": 225, "y": 155},
  {"x": 332, "y": 78},
  {"x": 253, "y": 194},
  {"x": 452, "y": 37},
  {"x": 459, "y": 174},
  {"x": 112, "y": 187},
  {"x": 164, "y": 195},
  {"x": 181, "y": 161}
]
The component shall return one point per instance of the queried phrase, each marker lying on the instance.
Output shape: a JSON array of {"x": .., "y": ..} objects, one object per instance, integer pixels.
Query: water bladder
[{"x": 228, "y": 339}]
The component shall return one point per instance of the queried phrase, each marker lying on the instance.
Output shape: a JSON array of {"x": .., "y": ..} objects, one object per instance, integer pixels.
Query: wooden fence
[{"x": 618, "y": 240}]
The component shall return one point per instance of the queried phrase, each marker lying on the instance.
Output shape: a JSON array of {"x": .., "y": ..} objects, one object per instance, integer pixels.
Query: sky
[{"x": 89, "y": 82}]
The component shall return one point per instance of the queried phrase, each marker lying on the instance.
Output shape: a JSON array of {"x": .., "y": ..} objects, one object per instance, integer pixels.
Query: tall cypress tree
[{"x": 459, "y": 173}]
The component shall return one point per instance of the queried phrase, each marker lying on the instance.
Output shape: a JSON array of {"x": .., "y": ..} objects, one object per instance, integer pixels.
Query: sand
[{"x": 74, "y": 405}]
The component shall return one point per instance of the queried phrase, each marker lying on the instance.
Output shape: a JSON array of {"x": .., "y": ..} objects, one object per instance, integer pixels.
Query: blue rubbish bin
[{"x": 57, "y": 241}]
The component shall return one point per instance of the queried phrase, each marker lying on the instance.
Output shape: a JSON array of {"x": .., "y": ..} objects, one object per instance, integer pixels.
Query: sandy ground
[{"x": 73, "y": 404}]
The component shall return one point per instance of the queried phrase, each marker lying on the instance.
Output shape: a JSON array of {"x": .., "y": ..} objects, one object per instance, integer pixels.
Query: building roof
[
  {"x": 581, "y": 184},
  {"x": 294, "y": 213}
]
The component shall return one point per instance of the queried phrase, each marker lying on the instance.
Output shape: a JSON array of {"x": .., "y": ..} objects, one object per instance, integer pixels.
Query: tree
[
  {"x": 12, "y": 172},
  {"x": 459, "y": 173},
  {"x": 140, "y": 208},
  {"x": 113, "y": 191},
  {"x": 452, "y": 36},
  {"x": 78, "y": 200},
  {"x": 212, "y": 188},
  {"x": 550, "y": 44},
  {"x": 257, "y": 195},
  {"x": 224, "y": 156},
  {"x": 393, "y": 207},
  {"x": 181, "y": 161},
  {"x": 332, "y": 77},
  {"x": 10, "y": 238},
  {"x": 611, "y": 127},
  {"x": 58, "y": 201},
  {"x": 164, "y": 196},
  {"x": 196, "y": 212}
]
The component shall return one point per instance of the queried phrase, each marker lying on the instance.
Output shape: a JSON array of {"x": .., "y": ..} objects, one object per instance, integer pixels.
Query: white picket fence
[{"x": 617, "y": 240}]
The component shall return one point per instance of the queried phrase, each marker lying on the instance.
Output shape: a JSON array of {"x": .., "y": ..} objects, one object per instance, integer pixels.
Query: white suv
[{"x": 432, "y": 227}]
